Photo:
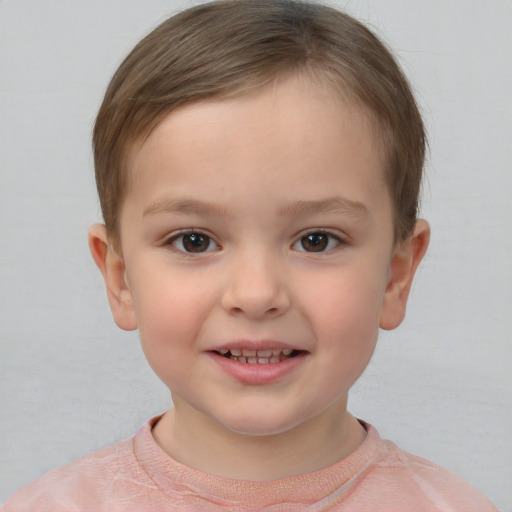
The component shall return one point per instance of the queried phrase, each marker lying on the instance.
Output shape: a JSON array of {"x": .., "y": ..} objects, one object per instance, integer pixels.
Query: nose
[{"x": 256, "y": 287}]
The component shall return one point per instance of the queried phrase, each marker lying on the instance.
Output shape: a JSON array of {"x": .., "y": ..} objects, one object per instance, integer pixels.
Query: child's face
[{"x": 258, "y": 223}]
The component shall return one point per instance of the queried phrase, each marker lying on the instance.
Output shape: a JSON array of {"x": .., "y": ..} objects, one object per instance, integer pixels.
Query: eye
[
  {"x": 193, "y": 242},
  {"x": 318, "y": 241}
]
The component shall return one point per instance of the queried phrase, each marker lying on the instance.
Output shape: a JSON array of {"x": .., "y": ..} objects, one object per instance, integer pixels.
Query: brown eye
[
  {"x": 194, "y": 243},
  {"x": 318, "y": 241},
  {"x": 315, "y": 242}
]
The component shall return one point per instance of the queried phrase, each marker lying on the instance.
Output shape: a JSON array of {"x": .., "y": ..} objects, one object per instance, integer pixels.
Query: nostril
[{"x": 252, "y": 302}]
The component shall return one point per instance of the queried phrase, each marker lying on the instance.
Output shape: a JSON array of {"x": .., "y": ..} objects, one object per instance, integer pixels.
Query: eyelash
[
  {"x": 190, "y": 232},
  {"x": 324, "y": 237},
  {"x": 330, "y": 238}
]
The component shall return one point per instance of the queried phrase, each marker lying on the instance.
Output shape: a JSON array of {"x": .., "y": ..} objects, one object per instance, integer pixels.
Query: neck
[{"x": 198, "y": 441}]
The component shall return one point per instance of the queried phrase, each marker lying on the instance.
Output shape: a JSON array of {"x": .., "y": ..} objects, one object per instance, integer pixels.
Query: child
[{"x": 258, "y": 165}]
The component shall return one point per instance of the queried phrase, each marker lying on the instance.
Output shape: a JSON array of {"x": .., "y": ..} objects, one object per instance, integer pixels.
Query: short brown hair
[{"x": 233, "y": 47}]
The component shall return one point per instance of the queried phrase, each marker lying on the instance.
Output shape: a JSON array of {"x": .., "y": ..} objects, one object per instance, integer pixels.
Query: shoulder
[
  {"x": 420, "y": 481},
  {"x": 81, "y": 485}
]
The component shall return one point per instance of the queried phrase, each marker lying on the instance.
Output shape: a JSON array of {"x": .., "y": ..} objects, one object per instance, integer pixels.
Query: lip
[
  {"x": 257, "y": 374},
  {"x": 254, "y": 345}
]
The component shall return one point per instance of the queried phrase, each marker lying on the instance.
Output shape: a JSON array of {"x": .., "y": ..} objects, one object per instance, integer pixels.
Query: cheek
[
  {"x": 169, "y": 316},
  {"x": 350, "y": 292},
  {"x": 344, "y": 311}
]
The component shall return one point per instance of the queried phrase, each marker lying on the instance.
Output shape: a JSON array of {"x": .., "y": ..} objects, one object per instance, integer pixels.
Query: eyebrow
[
  {"x": 187, "y": 206},
  {"x": 331, "y": 205}
]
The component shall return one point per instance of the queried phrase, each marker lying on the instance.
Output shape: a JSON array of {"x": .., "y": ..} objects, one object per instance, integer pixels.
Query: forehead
[
  {"x": 289, "y": 132},
  {"x": 313, "y": 86}
]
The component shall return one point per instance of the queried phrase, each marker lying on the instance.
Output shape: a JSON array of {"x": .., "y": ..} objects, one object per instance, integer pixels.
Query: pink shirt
[{"x": 136, "y": 475}]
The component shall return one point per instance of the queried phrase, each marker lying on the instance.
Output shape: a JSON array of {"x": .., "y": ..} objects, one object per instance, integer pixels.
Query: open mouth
[{"x": 268, "y": 356}]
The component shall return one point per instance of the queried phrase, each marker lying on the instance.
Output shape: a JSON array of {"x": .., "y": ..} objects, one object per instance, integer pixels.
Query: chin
[{"x": 260, "y": 424}]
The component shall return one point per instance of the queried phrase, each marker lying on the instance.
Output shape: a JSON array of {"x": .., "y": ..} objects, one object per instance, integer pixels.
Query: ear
[
  {"x": 404, "y": 262},
  {"x": 112, "y": 267}
]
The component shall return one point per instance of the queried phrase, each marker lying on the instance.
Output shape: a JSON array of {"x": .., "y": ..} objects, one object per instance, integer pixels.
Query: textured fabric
[{"x": 136, "y": 475}]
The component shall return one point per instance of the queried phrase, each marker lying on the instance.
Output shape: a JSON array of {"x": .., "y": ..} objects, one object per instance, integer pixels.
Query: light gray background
[{"x": 72, "y": 382}]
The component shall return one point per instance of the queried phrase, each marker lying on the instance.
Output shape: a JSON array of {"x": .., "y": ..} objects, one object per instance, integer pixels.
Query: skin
[{"x": 255, "y": 176}]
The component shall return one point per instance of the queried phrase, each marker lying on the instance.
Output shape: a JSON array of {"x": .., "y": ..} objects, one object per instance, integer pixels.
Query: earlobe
[
  {"x": 112, "y": 267},
  {"x": 404, "y": 262}
]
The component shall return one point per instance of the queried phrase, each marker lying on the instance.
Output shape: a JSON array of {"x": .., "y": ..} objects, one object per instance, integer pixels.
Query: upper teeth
[
  {"x": 258, "y": 353},
  {"x": 246, "y": 355}
]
